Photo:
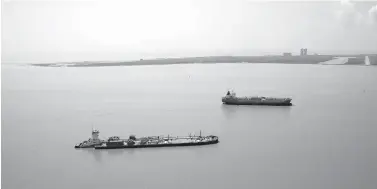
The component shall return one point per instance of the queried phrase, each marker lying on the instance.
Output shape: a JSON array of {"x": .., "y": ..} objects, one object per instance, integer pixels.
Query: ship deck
[{"x": 163, "y": 142}]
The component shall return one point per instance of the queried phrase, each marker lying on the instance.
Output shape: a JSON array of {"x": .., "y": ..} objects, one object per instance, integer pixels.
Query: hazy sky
[{"x": 64, "y": 30}]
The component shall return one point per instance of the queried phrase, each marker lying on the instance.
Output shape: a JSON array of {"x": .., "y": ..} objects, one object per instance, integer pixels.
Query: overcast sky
[{"x": 64, "y": 30}]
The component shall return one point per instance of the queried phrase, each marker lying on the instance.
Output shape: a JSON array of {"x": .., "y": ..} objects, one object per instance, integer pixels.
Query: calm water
[{"x": 327, "y": 140}]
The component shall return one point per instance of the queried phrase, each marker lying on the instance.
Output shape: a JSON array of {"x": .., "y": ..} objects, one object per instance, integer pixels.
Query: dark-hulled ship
[
  {"x": 231, "y": 99},
  {"x": 115, "y": 142}
]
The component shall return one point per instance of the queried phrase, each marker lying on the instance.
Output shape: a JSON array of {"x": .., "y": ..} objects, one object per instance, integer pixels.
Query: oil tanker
[
  {"x": 115, "y": 142},
  {"x": 231, "y": 99}
]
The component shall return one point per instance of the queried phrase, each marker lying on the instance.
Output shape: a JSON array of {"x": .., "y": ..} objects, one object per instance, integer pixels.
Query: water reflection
[
  {"x": 113, "y": 152},
  {"x": 118, "y": 152},
  {"x": 233, "y": 111},
  {"x": 95, "y": 153}
]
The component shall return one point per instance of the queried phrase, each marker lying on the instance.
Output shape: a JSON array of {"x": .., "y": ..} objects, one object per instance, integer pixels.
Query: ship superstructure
[{"x": 91, "y": 142}]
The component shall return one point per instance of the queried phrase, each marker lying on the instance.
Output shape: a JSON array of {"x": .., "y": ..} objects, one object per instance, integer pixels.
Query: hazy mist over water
[
  {"x": 326, "y": 140},
  {"x": 116, "y": 30}
]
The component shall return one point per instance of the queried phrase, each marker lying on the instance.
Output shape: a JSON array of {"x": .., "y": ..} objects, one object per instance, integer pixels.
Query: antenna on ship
[{"x": 93, "y": 127}]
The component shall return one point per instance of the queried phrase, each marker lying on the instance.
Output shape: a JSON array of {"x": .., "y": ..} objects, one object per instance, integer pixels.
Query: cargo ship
[
  {"x": 231, "y": 99},
  {"x": 116, "y": 142}
]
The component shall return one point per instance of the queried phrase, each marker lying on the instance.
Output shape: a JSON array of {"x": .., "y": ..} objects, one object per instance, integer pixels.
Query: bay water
[{"x": 326, "y": 140}]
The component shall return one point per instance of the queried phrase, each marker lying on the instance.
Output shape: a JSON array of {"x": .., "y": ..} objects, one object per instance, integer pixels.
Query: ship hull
[
  {"x": 259, "y": 103},
  {"x": 91, "y": 146},
  {"x": 159, "y": 145}
]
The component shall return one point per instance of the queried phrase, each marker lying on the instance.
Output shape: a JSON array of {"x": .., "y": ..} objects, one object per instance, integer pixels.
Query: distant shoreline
[{"x": 306, "y": 59}]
